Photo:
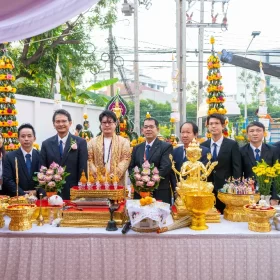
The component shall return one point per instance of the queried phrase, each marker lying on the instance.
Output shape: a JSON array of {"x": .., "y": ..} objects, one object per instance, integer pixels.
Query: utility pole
[
  {"x": 201, "y": 25},
  {"x": 111, "y": 51},
  {"x": 181, "y": 58},
  {"x": 136, "y": 72}
]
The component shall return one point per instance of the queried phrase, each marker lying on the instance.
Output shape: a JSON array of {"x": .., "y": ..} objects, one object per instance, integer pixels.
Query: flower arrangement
[
  {"x": 239, "y": 186},
  {"x": 73, "y": 145},
  {"x": 145, "y": 178},
  {"x": 276, "y": 167},
  {"x": 264, "y": 175},
  {"x": 52, "y": 179}
]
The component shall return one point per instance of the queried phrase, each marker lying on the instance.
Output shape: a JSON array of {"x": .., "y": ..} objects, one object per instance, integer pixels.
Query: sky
[{"x": 157, "y": 32}]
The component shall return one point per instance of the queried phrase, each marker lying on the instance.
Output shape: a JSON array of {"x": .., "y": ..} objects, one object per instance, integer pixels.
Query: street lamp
[{"x": 254, "y": 34}]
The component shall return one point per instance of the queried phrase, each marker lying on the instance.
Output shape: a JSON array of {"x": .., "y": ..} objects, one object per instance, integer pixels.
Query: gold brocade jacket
[{"x": 120, "y": 156}]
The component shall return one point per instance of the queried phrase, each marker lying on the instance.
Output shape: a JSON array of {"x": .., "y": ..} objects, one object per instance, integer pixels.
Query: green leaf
[{"x": 102, "y": 84}]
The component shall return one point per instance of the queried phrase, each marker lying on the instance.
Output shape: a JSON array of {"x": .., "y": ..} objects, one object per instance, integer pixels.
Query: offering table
[{"x": 226, "y": 250}]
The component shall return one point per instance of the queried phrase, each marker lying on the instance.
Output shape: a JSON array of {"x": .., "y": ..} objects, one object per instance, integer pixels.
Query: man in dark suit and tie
[
  {"x": 188, "y": 131},
  {"x": 66, "y": 150},
  {"x": 255, "y": 151},
  {"x": 156, "y": 152},
  {"x": 28, "y": 163},
  {"x": 226, "y": 152}
]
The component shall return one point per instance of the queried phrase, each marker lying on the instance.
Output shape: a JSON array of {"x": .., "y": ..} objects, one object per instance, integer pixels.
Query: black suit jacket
[
  {"x": 26, "y": 182},
  {"x": 159, "y": 156},
  {"x": 178, "y": 154},
  {"x": 74, "y": 160},
  {"x": 268, "y": 153},
  {"x": 229, "y": 163}
]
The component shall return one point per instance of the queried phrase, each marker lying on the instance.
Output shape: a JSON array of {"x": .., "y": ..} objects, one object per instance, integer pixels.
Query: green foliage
[{"x": 102, "y": 84}]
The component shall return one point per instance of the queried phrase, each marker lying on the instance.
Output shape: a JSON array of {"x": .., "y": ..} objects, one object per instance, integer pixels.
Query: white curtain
[{"x": 20, "y": 19}]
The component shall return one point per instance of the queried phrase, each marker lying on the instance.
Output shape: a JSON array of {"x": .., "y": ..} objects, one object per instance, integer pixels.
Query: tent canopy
[{"x": 26, "y": 18}]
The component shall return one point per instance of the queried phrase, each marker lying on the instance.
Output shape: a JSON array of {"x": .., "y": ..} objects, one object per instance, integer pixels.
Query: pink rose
[
  {"x": 139, "y": 183},
  {"x": 60, "y": 170},
  {"x": 43, "y": 169},
  {"x": 54, "y": 165},
  {"x": 146, "y": 171},
  {"x": 74, "y": 146},
  {"x": 136, "y": 169},
  {"x": 150, "y": 184},
  {"x": 57, "y": 177},
  {"x": 49, "y": 172},
  {"x": 155, "y": 171},
  {"x": 145, "y": 178},
  {"x": 146, "y": 164},
  {"x": 42, "y": 182},
  {"x": 51, "y": 184},
  {"x": 10, "y": 122},
  {"x": 137, "y": 177},
  {"x": 156, "y": 178},
  {"x": 48, "y": 178},
  {"x": 41, "y": 176}
]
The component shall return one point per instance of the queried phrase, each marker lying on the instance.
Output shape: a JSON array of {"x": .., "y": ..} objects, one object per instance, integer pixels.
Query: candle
[
  {"x": 88, "y": 170},
  {"x": 16, "y": 167}
]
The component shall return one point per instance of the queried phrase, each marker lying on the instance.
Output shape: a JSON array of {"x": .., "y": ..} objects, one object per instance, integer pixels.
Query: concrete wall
[{"x": 39, "y": 112}]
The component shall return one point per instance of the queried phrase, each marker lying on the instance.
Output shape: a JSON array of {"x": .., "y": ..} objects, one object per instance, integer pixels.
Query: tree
[{"x": 36, "y": 57}]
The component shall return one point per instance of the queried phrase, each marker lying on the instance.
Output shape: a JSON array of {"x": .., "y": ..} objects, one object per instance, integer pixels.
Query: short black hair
[
  {"x": 255, "y": 123},
  {"x": 152, "y": 119},
  {"x": 26, "y": 125},
  {"x": 79, "y": 127},
  {"x": 216, "y": 116},
  {"x": 62, "y": 112},
  {"x": 108, "y": 114},
  {"x": 194, "y": 126}
]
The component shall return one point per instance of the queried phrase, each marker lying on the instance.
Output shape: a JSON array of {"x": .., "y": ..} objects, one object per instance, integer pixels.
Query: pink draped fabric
[{"x": 20, "y": 19}]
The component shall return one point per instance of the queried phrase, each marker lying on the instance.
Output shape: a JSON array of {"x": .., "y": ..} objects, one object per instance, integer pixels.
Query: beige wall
[{"x": 39, "y": 111}]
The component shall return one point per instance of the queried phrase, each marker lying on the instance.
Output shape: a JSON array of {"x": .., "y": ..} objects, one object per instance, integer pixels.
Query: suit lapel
[
  {"x": 265, "y": 153},
  {"x": 55, "y": 148},
  {"x": 35, "y": 163},
  {"x": 22, "y": 163},
  {"x": 222, "y": 148},
  {"x": 66, "y": 149},
  {"x": 250, "y": 154},
  {"x": 141, "y": 151},
  {"x": 154, "y": 148}
]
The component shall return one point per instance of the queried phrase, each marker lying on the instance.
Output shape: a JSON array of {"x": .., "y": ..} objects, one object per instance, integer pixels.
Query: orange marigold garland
[
  {"x": 8, "y": 120},
  {"x": 215, "y": 89}
]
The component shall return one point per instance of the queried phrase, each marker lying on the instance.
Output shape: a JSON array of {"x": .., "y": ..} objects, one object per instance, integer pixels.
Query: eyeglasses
[
  {"x": 107, "y": 123},
  {"x": 149, "y": 126}
]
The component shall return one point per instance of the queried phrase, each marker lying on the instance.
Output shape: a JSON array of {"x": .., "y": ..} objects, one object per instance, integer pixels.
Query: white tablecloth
[{"x": 225, "y": 251}]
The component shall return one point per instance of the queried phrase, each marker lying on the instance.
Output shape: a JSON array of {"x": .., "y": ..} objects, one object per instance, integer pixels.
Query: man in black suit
[
  {"x": 28, "y": 163},
  {"x": 156, "y": 152},
  {"x": 188, "y": 131},
  {"x": 226, "y": 152},
  {"x": 66, "y": 150},
  {"x": 255, "y": 151}
]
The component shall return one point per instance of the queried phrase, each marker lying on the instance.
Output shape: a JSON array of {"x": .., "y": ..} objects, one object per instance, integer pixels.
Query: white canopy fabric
[{"x": 20, "y": 19}]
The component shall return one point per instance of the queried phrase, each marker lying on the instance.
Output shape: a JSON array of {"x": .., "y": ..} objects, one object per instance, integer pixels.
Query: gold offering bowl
[
  {"x": 234, "y": 210},
  {"x": 18, "y": 200},
  {"x": 199, "y": 204},
  {"x": 2, "y": 213},
  {"x": 20, "y": 215},
  {"x": 258, "y": 220},
  {"x": 4, "y": 199}
]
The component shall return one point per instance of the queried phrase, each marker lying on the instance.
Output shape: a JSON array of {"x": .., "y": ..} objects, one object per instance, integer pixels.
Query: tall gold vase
[{"x": 199, "y": 204}]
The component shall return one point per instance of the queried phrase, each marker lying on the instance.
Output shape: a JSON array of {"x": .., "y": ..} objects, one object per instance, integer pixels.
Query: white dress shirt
[
  {"x": 25, "y": 153},
  {"x": 254, "y": 149},
  {"x": 151, "y": 144},
  {"x": 107, "y": 150},
  {"x": 218, "y": 143},
  {"x": 64, "y": 139}
]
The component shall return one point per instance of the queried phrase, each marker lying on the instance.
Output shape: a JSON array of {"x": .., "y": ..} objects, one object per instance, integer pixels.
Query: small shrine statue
[
  {"x": 117, "y": 109},
  {"x": 83, "y": 179},
  {"x": 85, "y": 132},
  {"x": 193, "y": 174}
]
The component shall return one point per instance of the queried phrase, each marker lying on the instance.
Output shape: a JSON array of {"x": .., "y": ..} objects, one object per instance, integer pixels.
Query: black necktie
[
  {"x": 61, "y": 148},
  {"x": 28, "y": 163},
  {"x": 185, "y": 157},
  {"x": 258, "y": 156},
  {"x": 147, "y": 151},
  {"x": 214, "y": 156}
]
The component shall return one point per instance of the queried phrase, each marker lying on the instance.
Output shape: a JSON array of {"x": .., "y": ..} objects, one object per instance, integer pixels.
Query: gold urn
[
  {"x": 258, "y": 220},
  {"x": 21, "y": 216},
  {"x": 2, "y": 213},
  {"x": 199, "y": 204},
  {"x": 234, "y": 210}
]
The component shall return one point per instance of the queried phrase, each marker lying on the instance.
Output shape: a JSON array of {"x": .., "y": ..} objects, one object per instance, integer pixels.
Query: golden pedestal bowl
[
  {"x": 20, "y": 215},
  {"x": 2, "y": 213},
  {"x": 18, "y": 200},
  {"x": 199, "y": 204},
  {"x": 258, "y": 220},
  {"x": 4, "y": 199},
  {"x": 234, "y": 210}
]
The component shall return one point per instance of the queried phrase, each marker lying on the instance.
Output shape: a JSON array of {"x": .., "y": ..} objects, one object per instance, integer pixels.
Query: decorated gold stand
[
  {"x": 234, "y": 210},
  {"x": 258, "y": 220},
  {"x": 193, "y": 176}
]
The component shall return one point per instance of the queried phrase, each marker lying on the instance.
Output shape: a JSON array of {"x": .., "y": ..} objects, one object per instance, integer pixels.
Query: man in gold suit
[{"x": 109, "y": 150}]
